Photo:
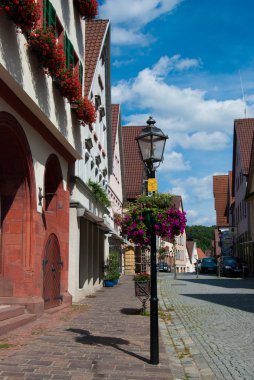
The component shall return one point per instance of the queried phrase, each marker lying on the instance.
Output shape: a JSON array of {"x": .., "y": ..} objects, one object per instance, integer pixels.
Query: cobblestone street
[{"x": 212, "y": 323}]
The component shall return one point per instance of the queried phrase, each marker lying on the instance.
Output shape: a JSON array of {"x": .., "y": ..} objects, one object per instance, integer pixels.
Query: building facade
[{"x": 40, "y": 140}]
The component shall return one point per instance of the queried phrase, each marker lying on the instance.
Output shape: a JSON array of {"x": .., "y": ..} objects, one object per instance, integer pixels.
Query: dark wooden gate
[{"x": 52, "y": 265}]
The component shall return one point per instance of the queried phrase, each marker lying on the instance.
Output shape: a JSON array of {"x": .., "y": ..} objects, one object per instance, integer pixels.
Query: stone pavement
[
  {"x": 213, "y": 317},
  {"x": 104, "y": 338}
]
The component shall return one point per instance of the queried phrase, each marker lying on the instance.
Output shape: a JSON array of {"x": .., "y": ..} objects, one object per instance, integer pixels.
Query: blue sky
[{"x": 189, "y": 64}]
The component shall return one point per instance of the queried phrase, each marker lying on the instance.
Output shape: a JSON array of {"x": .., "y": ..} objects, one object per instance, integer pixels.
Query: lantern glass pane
[
  {"x": 158, "y": 148},
  {"x": 145, "y": 147}
]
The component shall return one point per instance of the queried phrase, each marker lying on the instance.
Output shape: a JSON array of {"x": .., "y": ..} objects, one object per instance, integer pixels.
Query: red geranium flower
[
  {"x": 85, "y": 110},
  {"x": 24, "y": 13},
  {"x": 87, "y": 8}
]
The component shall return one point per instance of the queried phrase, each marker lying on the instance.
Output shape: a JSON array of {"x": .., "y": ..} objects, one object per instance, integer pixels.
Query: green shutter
[
  {"x": 49, "y": 13},
  {"x": 69, "y": 51},
  {"x": 81, "y": 73},
  {"x": 52, "y": 16}
]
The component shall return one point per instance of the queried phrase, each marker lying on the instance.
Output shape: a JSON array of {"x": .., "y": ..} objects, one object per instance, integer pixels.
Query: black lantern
[{"x": 151, "y": 142}]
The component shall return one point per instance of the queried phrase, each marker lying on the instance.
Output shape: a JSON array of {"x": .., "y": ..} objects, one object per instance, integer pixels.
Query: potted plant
[
  {"x": 87, "y": 8},
  {"x": 99, "y": 193},
  {"x": 24, "y": 13},
  {"x": 112, "y": 274},
  {"x": 109, "y": 280},
  {"x": 142, "y": 288}
]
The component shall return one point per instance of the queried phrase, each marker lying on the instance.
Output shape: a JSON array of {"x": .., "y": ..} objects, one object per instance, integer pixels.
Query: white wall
[{"x": 29, "y": 82}]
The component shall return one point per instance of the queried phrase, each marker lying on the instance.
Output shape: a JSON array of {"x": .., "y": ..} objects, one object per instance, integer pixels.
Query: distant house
[
  {"x": 192, "y": 253},
  {"x": 221, "y": 199},
  {"x": 201, "y": 254},
  {"x": 181, "y": 259},
  {"x": 134, "y": 259}
]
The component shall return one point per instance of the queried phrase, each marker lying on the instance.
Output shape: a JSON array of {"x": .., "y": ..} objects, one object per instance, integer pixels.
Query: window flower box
[
  {"x": 24, "y": 13},
  {"x": 87, "y": 8}
]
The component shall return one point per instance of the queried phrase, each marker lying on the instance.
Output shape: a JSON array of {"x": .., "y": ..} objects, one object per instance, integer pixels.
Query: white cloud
[
  {"x": 197, "y": 194},
  {"x": 202, "y": 140},
  {"x": 175, "y": 63},
  {"x": 121, "y": 36},
  {"x": 184, "y": 110},
  {"x": 138, "y": 12},
  {"x": 174, "y": 162},
  {"x": 120, "y": 63},
  {"x": 128, "y": 18}
]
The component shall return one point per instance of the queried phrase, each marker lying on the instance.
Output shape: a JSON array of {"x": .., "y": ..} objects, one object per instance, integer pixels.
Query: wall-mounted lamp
[{"x": 40, "y": 196}]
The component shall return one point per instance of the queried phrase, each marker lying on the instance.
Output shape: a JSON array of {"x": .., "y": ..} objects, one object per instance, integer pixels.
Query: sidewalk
[{"x": 102, "y": 339}]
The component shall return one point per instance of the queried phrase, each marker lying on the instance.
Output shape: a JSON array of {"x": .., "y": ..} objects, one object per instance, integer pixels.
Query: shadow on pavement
[
  {"x": 131, "y": 311},
  {"x": 243, "y": 302},
  {"x": 90, "y": 339},
  {"x": 224, "y": 282}
]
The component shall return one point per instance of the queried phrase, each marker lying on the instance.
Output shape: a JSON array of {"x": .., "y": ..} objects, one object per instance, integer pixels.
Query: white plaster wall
[
  {"x": 74, "y": 242},
  {"x": 30, "y": 84},
  {"x": 87, "y": 169},
  {"x": 40, "y": 151}
]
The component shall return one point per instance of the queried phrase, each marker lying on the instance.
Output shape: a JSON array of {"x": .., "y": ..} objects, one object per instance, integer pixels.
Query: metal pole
[
  {"x": 174, "y": 250},
  {"x": 154, "y": 333}
]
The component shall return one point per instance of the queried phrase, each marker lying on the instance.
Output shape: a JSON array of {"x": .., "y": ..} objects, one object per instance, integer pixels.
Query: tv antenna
[{"x": 245, "y": 112}]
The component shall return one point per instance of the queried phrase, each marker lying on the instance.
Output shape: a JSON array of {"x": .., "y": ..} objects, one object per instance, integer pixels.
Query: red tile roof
[
  {"x": 94, "y": 38},
  {"x": 244, "y": 131},
  {"x": 190, "y": 246},
  {"x": 231, "y": 198},
  {"x": 115, "y": 116},
  {"x": 201, "y": 254},
  {"x": 134, "y": 167},
  {"x": 220, "y": 191}
]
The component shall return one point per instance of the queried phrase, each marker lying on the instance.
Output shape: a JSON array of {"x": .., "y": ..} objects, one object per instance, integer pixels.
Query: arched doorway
[
  {"x": 53, "y": 205},
  {"x": 52, "y": 273},
  {"x": 16, "y": 188}
]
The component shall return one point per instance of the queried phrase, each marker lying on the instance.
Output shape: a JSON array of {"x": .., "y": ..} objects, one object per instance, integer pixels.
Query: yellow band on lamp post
[{"x": 152, "y": 184}]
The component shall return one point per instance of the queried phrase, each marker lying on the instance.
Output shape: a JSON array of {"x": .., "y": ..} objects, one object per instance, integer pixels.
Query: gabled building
[
  {"x": 135, "y": 176},
  {"x": 221, "y": 203},
  {"x": 249, "y": 245},
  {"x": 242, "y": 146},
  {"x": 89, "y": 216},
  {"x": 192, "y": 253},
  {"x": 39, "y": 141},
  {"x": 116, "y": 188}
]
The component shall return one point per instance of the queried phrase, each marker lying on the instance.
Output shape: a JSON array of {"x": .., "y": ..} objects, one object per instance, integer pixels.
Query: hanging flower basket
[
  {"x": 68, "y": 83},
  {"x": 44, "y": 44},
  {"x": 24, "y": 13},
  {"x": 157, "y": 213},
  {"x": 87, "y": 8},
  {"x": 85, "y": 110}
]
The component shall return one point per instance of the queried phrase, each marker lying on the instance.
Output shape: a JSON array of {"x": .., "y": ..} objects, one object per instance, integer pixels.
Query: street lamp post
[{"x": 151, "y": 142}]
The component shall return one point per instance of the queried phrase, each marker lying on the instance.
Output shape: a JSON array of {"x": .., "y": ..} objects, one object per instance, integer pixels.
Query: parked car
[
  {"x": 232, "y": 266},
  {"x": 164, "y": 267},
  {"x": 208, "y": 264}
]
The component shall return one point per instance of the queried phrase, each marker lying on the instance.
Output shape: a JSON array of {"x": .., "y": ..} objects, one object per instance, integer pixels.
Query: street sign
[{"x": 152, "y": 184}]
